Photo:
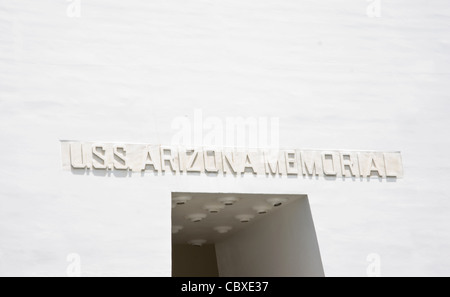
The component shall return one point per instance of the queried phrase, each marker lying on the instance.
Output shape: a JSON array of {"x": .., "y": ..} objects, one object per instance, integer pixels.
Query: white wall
[
  {"x": 282, "y": 244},
  {"x": 335, "y": 78}
]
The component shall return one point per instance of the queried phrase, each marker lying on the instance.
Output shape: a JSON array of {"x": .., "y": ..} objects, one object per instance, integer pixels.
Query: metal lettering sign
[{"x": 145, "y": 157}]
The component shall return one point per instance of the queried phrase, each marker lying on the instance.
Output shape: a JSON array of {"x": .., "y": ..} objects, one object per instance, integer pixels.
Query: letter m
[
  {"x": 311, "y": 163},
  {"x": 272, "y": 162}
]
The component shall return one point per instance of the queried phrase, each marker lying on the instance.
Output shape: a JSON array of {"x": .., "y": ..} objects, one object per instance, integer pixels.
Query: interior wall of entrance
[
  {"x": 194, "y": 261},
  {"x": 282, "y": 244}
]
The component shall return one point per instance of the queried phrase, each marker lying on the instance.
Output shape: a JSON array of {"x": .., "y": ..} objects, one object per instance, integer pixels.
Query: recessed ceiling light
[
  {"x": 197, "y": 242},
  {"x": 213, "y": 208},
  {"x": 244, "y": 218},
  {"x": 180, "y": 200},
  {"x": 262, "y": 209},
  {"x": 223, "y": 229},
  {"x": 276, "y": 201},
  {"x": 196, "y": 217},
  {"x": 229, "y": 200},
  {"x": 176, "y": 229}
]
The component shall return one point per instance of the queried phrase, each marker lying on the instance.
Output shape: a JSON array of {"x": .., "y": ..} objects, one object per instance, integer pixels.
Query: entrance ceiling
[{"x": 206, "y": 218}]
